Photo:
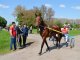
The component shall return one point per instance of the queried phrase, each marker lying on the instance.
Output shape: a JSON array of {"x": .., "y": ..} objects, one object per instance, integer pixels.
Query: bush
[{"x": 3, "y": 22}]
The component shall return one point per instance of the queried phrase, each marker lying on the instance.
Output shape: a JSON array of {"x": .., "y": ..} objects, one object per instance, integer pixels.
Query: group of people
[{"x": 18, "y": 34}]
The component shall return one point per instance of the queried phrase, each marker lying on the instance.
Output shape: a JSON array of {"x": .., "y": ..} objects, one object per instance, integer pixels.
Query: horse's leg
[
  {"x": 56, "y": 40},
  {"x": 42, "y": 46},
  {"x": 57, "y": 43},
  {"x": 53, "y": 39},
  {"x": 48, "y": 49},
  {"x": 59, "y": 39}
]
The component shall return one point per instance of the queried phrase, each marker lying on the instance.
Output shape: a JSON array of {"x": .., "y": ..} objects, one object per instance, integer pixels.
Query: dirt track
[{"x": 31, "y": 52}]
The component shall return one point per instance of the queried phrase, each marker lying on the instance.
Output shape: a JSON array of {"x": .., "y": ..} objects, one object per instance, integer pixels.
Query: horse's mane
[{"x": 42, "y": 22}]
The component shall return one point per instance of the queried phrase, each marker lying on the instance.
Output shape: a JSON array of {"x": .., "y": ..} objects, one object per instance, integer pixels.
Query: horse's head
[{"x": 38, "y": 21}]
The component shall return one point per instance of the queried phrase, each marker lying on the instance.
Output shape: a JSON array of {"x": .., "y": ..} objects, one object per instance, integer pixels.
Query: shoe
[
  {"x": 14, "y": 49},
  {"x": 10, "y": 49}
]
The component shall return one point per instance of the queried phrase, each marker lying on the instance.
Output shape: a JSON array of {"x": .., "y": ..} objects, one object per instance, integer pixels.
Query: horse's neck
[
  {"x": 42, "y": 27},
  {"x": 43, "y": 23}
]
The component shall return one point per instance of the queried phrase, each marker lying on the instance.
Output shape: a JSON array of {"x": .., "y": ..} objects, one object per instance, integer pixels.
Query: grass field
[
  {"x": 34, "y": 31},
  {"x": 5, "y": 39},
  {"x": 74, "y": 32},
  {"x": 4, "y": 42}
]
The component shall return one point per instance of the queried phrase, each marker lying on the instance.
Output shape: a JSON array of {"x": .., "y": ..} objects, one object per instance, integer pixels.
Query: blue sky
[{"x": 62, "y": 8}]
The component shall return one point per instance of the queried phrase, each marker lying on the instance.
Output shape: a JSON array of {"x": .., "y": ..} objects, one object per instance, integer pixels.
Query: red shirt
[
  {"x": 13, "y": 30},
  {"x": 64, "y": 30}
]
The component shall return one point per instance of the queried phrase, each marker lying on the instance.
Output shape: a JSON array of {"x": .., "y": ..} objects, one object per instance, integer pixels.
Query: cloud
[
  {"x": 76, "y": 7},
  {"x": 62, "y": 6},
  {"x": 4, "y": 6},
  {"x": 48, "y": 5}
]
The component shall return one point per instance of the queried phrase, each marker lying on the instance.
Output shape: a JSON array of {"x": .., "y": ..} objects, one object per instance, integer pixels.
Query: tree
[
  {"x": 49, "y": 13},
  {"x": 46, "y": 12},
  {"x": 58, "y": 23},
  {"x": 24, "y": 16},
  {"x": 20, "y": 13},
  {"x": 3, "y": 22},
  {"x": 43, "y": 11}
]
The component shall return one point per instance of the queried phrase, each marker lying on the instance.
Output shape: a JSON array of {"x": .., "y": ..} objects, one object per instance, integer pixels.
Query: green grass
[
  {"x": 4, "y": 42},
  {"x": 74, "y": 32},
  {"x": 34, "y": 31}
]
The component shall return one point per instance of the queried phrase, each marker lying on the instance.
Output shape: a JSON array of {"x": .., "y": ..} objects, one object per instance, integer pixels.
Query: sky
[{"x": 63, "y": 8}]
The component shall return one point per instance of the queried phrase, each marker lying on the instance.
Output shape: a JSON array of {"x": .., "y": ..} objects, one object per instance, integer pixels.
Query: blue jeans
[
  {"x": 13, "y": 42},
  {"x": 66, "y": 37}
]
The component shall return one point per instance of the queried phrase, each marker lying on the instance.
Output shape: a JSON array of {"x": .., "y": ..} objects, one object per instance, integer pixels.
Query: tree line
[{"x": 27, "y": 16}]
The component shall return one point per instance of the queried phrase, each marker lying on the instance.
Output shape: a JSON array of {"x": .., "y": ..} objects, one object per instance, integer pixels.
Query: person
[
  {"x": 19, "y": 32},
  {"x": 25, "y": 34},
  {"x": 13, "y": 35},
  {"x": 0, "y": 28},
  {"x": 65, "y": 32},
  {"x": 31, "y": 29}
]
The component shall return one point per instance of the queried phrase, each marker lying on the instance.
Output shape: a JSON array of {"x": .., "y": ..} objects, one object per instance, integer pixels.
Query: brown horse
[{"x": 45, "y": 32}]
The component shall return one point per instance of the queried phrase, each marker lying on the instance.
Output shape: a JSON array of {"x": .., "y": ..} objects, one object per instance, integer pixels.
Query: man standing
[
  {"x": 25, "y": 34},
  {"x": 19, "y": 32},
  {"x": 31, "y": 29},
  {"x": 65, "y": 32},
  {"x": 13, "y": 35}
]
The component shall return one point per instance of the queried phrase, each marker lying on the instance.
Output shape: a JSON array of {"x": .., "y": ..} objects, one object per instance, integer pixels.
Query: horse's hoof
[
  {"x": 54, "y": 43},
  {"x": 48, "y": 49},
  {"x": 40, "y": 53}
]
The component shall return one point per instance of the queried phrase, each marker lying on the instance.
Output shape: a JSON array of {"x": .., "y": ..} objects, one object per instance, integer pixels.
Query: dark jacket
[
  {"x": 25, "y": 31},
  {"x": 18, "y": 30}
]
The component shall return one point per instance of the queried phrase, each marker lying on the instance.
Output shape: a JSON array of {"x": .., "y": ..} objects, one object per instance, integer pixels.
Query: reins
[{"x": 52, "y": 29}]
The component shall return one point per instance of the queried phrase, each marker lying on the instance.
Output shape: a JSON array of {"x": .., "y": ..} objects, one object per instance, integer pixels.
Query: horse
[{"x": 46, "y": 32}]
